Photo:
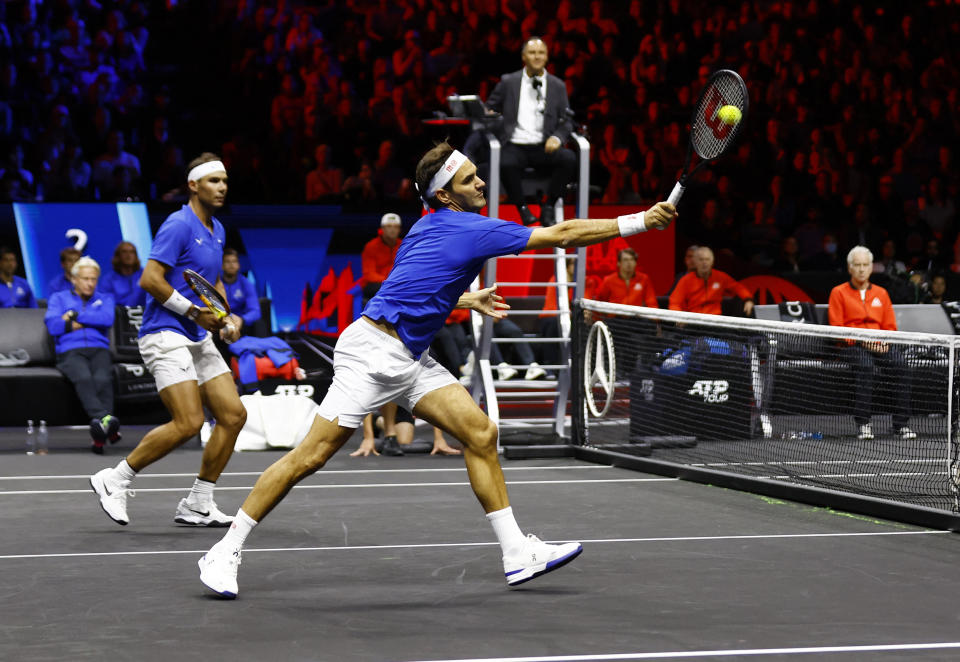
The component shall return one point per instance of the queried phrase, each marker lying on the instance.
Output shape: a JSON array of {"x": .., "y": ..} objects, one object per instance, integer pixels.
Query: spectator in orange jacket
[
  {"x": 627, "y": 285},
  {"x": 379, "y": 253},
  {"x": 861, "y": 304},
  {"x": 632, "y": 288},
  {"x": 702, "y": 290}
]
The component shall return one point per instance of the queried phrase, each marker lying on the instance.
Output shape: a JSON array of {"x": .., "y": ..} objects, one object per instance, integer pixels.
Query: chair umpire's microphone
[{"x": 537, "y": 84}]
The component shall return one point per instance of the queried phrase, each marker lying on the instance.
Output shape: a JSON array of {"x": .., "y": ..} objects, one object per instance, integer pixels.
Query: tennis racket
[
  {"x": 712, "y": 131},
  {"x": 208, "y": 294}
]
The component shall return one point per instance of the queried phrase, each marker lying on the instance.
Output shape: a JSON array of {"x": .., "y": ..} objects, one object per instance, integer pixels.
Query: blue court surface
[{"x": 391, "y": 559}]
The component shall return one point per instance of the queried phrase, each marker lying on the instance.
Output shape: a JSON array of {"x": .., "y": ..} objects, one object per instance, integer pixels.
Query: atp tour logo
[
  {"x": 295, "y": 389},
  {"x": 712, "y": 390}
]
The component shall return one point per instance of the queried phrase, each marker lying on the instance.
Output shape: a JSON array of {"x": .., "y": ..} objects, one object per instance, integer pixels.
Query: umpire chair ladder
[{"x": 484, "y": 387}]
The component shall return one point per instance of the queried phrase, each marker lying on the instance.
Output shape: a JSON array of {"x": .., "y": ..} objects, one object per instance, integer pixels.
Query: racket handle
[
  {"x": 676, "y": 194},
  {"x": 231, "y": 329}
]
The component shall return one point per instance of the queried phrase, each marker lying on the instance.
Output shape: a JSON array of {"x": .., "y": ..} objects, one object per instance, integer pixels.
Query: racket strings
[{"x": 712, "y": 137}]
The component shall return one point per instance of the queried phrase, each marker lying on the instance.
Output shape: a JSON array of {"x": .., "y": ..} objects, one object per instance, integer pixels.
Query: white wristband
[
  {"x": 631, "y": 224},
  {"x": 178, "y": 303}
]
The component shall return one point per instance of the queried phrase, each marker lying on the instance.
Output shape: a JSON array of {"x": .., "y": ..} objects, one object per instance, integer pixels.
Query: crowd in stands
[{"x": 851, "y": 136}]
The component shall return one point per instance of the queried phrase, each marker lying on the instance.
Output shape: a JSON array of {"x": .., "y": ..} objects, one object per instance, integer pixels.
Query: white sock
[
  {"x": 237, "y": 533},
  {"x": 201, "y": 492},
  {"x": 123, "y": 471},
  {"x": 505, "y": 526}
]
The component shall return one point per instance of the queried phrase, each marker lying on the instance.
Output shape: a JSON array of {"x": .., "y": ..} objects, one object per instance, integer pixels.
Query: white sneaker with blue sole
[
  {"x": 218, "y": 569},
  {"x": 537, "y": 558}
]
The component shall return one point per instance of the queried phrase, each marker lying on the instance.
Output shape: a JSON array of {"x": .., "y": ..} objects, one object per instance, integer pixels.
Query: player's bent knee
[
  {"x": 233, "y": 418},
  {"x": 483, "y": 439},
  {"x": 189, "y": 426}
]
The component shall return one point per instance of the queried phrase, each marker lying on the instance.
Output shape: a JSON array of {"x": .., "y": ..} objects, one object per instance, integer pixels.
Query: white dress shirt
[{"x": 529, "y": 129}]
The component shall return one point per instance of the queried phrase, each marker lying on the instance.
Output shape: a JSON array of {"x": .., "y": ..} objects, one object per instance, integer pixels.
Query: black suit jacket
[{"x": 505, "y": 99}]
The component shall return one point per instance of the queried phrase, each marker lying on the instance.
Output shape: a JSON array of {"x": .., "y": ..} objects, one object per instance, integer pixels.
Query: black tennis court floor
[{"x": 391, "y": 559}]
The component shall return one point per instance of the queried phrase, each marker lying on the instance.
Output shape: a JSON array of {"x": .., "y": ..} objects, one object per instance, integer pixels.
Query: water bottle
[
  {"x": 42, "y": 441},
  {"x": 31, "y": 438}
]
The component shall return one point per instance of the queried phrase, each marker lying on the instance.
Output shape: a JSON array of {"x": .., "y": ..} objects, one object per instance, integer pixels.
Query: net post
[{"x": 577, "y": 414}]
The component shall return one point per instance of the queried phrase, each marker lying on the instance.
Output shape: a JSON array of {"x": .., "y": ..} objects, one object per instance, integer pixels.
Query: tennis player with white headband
[
  {"x": 382, "y": 357},
  {"x": 177, "y": 348}
]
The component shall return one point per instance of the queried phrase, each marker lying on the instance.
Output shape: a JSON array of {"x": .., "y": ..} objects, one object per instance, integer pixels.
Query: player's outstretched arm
[
  {"x": 485, "y": 301},
  {"x": 586, "y": 232}
]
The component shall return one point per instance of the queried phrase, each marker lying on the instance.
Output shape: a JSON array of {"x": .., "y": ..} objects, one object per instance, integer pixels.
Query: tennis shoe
[
  {"x": 505, "y": 372},
  {"x": 866, "y": 433},
  {"x": 111, "y": 428},
  {"x": 535, "y": 372},
  {"x": 218, "y": 569},
  {"x": 536, "y": 558},
  {"x": 97, "y": 431},
  {"x": 203, "y": 513},
  {"x": 113, "y": 495},
  {"x": 907, "y": 434}
]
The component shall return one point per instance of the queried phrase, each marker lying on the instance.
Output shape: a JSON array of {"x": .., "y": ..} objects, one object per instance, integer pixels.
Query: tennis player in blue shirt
[
  {"x": 177, "y": 348},
  {"x": 15, "y": 291},
  {"x": 382, "y": 357}
]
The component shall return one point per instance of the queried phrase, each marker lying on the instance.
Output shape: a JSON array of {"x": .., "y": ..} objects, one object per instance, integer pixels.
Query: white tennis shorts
[
  {"x": 370, "y": 369},
  {"x": 173, "y": 358}
]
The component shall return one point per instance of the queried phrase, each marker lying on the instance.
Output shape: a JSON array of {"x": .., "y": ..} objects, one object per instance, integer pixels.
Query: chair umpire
[{"x": 536, "y": 125}]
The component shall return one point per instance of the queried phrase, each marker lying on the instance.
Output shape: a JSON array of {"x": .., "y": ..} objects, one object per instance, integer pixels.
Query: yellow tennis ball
[{"x": 729, "y": 114}]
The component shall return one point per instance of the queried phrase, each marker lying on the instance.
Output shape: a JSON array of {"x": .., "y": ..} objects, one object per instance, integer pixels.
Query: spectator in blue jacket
[
  {"x": 79, "y": 319},
  {"x": 123, "y": 280},
  {"x": 241, "y": 294},
  {"x": 68, "y": 256},
  {"x": 15, "y": 291}
]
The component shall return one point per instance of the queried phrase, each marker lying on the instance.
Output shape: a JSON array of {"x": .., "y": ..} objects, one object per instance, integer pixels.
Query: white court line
[
  {"x": 247, "y": 488},
  {"x": 813, "y": 650},
  {"x": 348, "y": 548},
  {"x": 323, "y": 472}
]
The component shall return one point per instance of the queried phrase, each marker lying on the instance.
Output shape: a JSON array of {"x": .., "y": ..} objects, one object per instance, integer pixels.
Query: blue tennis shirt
[
  {"x": 183, "y": 242},
  {"x": 437, "y": 261}
]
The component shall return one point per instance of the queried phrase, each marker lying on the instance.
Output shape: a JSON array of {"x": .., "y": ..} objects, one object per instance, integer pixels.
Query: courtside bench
[{"x": 37, "y": 390}]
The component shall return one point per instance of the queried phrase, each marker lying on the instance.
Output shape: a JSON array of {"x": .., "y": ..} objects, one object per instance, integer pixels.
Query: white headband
[
  {"x": 205, "y": 169},
  {"x": 446, "y": 173}
]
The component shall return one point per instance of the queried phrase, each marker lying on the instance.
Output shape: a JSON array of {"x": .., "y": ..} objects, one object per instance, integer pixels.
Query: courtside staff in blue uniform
[
  {"x": 15, "y": 291},
  {"x": 123, "y": 279},
  {"x": 382, "y": 357},
  {"x": 241, "y": 293},
  {"x": 177, "y": 348}
]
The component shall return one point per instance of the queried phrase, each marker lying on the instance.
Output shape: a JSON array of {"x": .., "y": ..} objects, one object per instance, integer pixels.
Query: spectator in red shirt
[
  {"x": 861, "y": 304},
  {"x": 379, "y": 253},
  {"x": 627, "y": 285},
  {"x": 702, "y": 290},
  {"x": 632, "y": 288}
]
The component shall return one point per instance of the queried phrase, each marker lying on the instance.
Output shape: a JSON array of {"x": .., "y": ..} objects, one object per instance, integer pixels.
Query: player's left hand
[
  {"x": 552, "y": 145},
  {"x": 231, "y": 331},
  {"x": 488, "y": 302}
]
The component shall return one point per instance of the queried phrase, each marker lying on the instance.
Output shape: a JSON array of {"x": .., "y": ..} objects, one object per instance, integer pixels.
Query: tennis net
[{"x": 864, "y": 412}]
